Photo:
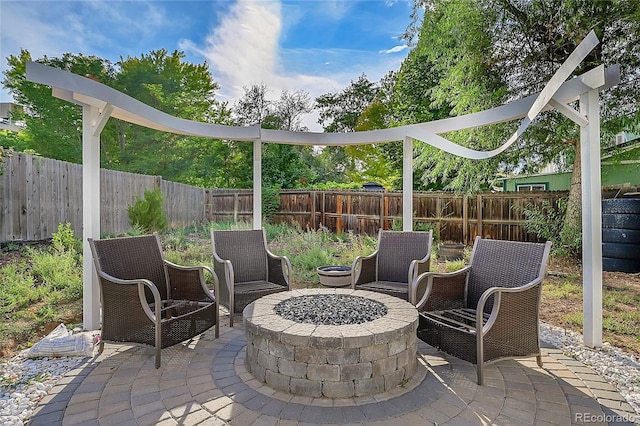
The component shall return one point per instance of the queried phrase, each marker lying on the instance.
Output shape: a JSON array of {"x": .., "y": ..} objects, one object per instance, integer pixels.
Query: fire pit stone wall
[{"x": 333, "y": 361}]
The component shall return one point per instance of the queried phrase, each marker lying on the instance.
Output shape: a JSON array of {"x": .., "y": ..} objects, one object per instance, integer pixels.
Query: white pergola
[{"x": 100, "y": 102}]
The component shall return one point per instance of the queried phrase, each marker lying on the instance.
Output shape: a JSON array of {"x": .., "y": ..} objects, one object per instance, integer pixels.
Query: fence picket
[{"x": 38, "y": 193}]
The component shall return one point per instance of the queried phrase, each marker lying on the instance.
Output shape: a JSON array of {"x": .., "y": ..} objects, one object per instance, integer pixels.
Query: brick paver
[{"x": 205, "y": 381}]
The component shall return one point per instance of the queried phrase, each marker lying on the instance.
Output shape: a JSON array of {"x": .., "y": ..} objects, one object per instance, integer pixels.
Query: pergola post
[
  {"x": 407, "y": 184},
  {"x": 257, "y": 184},
  {"x": 591, "y": 220},
  {"x": 90, "y": 215}
]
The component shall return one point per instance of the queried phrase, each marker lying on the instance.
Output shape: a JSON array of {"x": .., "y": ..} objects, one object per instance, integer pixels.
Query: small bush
[
  {"x": 18, "y": 289},
  {"x": 454, "y": 265},
  {"x": 57, "y": 271},
  {"x": 147, "y": 212},
  {"x": 65, "y": 241},
  {"x": 270, "y": 201},
  {"x": 546, "y": 221}
]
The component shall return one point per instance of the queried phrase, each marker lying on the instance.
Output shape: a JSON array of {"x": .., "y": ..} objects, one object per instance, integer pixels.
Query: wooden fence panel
[
  {"x": 183, "y": 204},
  {"x": 37, "y": 194},
  {"x": 223, "y": 205},
  {"x": 119, "y": 190}
]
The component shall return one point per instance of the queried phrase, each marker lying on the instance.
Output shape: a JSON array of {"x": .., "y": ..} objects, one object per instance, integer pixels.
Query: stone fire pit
[{"x": 339, "y": 343}]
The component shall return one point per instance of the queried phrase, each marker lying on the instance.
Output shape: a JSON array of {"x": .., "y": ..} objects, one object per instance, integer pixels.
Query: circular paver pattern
[{"x": 206, "y": 381}]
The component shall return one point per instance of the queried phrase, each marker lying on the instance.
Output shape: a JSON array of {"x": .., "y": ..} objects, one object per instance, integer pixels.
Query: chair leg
[
  {"x": 539, "y": 360},
  {"x": 158, "y": 338},
  {"x": 158, "y": 351},
  {"x": 479, "y": 373}
]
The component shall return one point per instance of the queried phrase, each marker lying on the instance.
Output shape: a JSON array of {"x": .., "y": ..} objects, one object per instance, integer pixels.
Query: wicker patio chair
[
  {"x": 399, "y": 258},
  {"x": 246, "y": 268},
  {"x": 147, "y": 299},
  {"x": 488, "y": 310}
]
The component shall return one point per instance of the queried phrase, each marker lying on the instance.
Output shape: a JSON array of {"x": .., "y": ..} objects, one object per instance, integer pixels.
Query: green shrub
[
  {"x": 147, "y": 212},
  {"x": 57, "y": 271},
  {"x": 270, "y": 201},
  {"x": 454, "y": 265},
  {"x": 18, "y": 289},
  {"x": 64, "y": 239},
  {"x": 280, "y": 230},
  {"x": 547, "y": 222}
]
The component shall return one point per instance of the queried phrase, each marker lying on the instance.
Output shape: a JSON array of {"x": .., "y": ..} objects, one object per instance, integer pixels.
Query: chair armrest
[
  {"x": 526, "y": 298},
  {"x": 279, "y": 269},
  {"x": 223, "y": 270},
  {"x": 364, "y": 269},
  {"x": 155, "y": 314},
  {"x": 188, "y": 282},
  {"x": 433, "y": 291},
  {"x": 419, "y": 266}
]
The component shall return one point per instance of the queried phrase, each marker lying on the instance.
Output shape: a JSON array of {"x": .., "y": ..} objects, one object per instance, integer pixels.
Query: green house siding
[
  {"x": 553, "y": 182},
  {"x": 617, "y": 174},
  {"x": 612, "y": 174}
]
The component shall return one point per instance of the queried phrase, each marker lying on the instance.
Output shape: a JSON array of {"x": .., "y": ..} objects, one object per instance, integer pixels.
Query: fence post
[
  {"x": 323, "y": 217},
  {"x": 479, "y": 213},
  {"x": 338, "y": 213},
  {"x": 465, "y": 220},
  {"x": 312, "y": 195},
  {"x": 236, "y": 206},
  {"x": 381, "y": 211}
]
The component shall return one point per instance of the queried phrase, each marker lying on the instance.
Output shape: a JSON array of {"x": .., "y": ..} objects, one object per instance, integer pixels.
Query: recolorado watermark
[{"x": 606, "y": 418}]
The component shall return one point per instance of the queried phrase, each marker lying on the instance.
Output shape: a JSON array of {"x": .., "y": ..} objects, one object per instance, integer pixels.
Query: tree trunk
[{"x": 571, "y": 234}]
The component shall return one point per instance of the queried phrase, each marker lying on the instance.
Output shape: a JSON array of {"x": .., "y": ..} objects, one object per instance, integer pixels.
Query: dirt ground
[{"x": 626, "y": 286}]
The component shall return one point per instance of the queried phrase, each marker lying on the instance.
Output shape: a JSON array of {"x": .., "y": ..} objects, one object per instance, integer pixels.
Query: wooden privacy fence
[
  {"x": 456, "y": 218},
  {"x": 36, "y": 194}
]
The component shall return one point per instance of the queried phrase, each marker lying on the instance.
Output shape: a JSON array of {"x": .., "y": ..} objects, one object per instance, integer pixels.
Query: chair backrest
[
  {"x": 131, "y": 258},
  {"x": 396, "y": 251},
  {"x": 498, "y": 263},
  {"x": 247, "y": 251}
]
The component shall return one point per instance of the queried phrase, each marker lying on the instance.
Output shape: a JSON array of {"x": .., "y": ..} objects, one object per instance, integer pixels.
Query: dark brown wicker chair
[
  {"x": 399, "y": 258},
  {"x": 488, "y": 310},
  {"x": 146, "y": 299},
  {"x": 246, "y": 268}
]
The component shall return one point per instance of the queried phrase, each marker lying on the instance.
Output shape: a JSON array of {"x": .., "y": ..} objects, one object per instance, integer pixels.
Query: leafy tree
[
  {"x": 283, "y": 165},
  {"x": 453, "y": 75},
  {"x": 167, "y": 83},
  {"x": 508, "y": 49},
  {"x": 54, "y": 126},
  {"x": 339, "y": 112},
  {"x": 159, "y": 79}
]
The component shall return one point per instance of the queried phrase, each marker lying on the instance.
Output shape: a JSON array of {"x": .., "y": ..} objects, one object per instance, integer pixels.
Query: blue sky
[{"x": 314, "y": 45}]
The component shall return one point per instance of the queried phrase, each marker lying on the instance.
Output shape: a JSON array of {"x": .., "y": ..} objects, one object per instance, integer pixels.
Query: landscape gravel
[
  {"x": 24, "y": 382},
  {"x": 330, "y": 309}
]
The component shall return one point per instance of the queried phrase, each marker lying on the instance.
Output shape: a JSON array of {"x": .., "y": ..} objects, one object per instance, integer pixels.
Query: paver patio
[{"x": 205, "y": 381}]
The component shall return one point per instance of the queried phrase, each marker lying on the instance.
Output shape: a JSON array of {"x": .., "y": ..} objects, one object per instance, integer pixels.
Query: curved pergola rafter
[{"x": 101, "y": 102}]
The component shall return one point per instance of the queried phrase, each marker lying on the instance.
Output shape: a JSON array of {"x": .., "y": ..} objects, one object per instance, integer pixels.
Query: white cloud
[
  {"x": 244, "y": 49},
  {"x": 395, "y": 49}
]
